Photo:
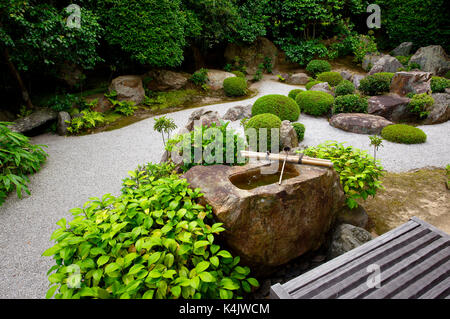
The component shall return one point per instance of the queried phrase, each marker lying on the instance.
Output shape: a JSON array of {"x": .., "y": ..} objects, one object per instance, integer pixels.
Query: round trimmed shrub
[
  {"x": 280, "y": 105},
  {"x": 315, "y": 67},
  {"x": 439, "y": 84},
  {"x": 293, "y": 93},
  {"x": 333, "y": 78},
  {"x": 420, "y": 104},
  {"x": 344, "y": 88},
  {"x": 310, "y": 84},
  {"x": 350, "y": 103},
  {"x": 235, "y": 86},
  {"x": 300, "y": 130},
  {"x": 239, "y": 74},
  {"x": 376, "y": 84},
  {"x": 265, "y": 120},
  {"x": 315, "y": 102},
  {"x": 405, "y": 134}
]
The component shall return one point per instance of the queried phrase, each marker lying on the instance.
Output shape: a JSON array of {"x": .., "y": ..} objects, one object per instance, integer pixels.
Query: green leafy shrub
[
  {"x": 405, "y": 134},
  {"x": 315, "y": 67},
  {"x": 358, "y": 173},
  {"x": 277, "y": 104},
  {"x": 209, "y": 146},
  {"x": 403, "y": 59},
  {"x": 439, "y": 84},
  {"x": 18, "y": 158},
  {"x": 375, "y": 84},
  {"x": 315, "y": 102},
  {"x": 362, "y": 45},
  {"x": 351, "y": 103},
  {"x": 333, "y": 78},
  {"x": 420, "y": 104},
  {"x": 293, "y": 93},
  {"x": 239, "y": 74},
  {"x": 302, "y": 51},
  {"x": 267, "y": 121},
  {"x": 235, "y": 86},
  {"x": 126, "y": 108},
  {"x": 310, "y": 84},
  {"x": 89, "y": 119},
  {"x": 153, "y": 241},
  {"x": 200, "y": 77},
  {"x": 344, "y": 88},
  {"x": 300, "y": 130},
  {"x": 259, "y": 73}
]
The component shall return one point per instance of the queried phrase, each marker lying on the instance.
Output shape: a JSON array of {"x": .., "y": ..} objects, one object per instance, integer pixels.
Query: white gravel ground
[{"x": 81, "y": 167}]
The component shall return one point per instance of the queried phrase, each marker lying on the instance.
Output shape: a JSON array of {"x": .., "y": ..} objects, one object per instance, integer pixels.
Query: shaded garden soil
[{"x": 421, "y": 193}]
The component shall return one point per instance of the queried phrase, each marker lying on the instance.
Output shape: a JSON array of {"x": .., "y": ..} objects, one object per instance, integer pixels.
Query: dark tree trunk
[{"x": 16, "y": 75}]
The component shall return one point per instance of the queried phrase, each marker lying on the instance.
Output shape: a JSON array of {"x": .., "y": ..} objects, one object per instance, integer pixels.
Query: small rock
[
  {"x": 357, "y": 79},
  {"x": 288, "y": 135},
  {"x": 216, "y": 78},
  {"x": 347, "y": 237},
  {"x": 63, "y": 123},
  {"x": 323, "y": 87},
  {"x": 167, "y": 80},
  {"x": 403, "y": 49},
  {"x": 318, "y": 258},
  {"x": 356, "y": 216},
  {"x": 36, "y": 119},
  {"x": 128, "y": 87},
  {"x": 369, "y": 61},
  {"x": 238, "y": 113},
  {"x": 205, "y": 118},
  {"x": 386, "y": 64},
  {"x": 298, "y": 79},
  {"x": 346, "y": 75}
]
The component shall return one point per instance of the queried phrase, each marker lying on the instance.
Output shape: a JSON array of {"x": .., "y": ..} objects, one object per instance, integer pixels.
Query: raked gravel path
[{"x": 93, "y": 165}]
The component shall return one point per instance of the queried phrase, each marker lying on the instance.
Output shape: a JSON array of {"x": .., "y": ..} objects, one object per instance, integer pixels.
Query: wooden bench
[{"x": 413, "y": 261}]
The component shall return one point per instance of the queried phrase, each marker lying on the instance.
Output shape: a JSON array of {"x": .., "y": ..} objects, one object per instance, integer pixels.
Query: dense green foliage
[
  {"x": 218, "y": 145},
  {"x": 125, "y": 107},
  {"x": 18, "y": 158},
  {"x": 293, "y": 93},
  {"x": 333, "y": 78},
  {"x": 315, "y": 67},
  {"x": 350, "y": 103},
  {"x": 310, "y": 84},
  {"x": 235, "y": 86},
  {"x": 300, "y": 130},
  {"x": 420, "y": 104},
  {"x": 315, "y": 102},
  {"x": 375, "y": 84},
  {"x": 263, "y": 121},
  {"x": 344, "y": 88},
  {"x": 199, "y": 77},
  {"x": 439, "y": 84},
  {"x": 405, "y": 134},
  {"x": 358, "y": 172},
  {"x": 88, "y": 120},
  {"x": 280, "y": 105},
  {"x": 153, "y": 241}
]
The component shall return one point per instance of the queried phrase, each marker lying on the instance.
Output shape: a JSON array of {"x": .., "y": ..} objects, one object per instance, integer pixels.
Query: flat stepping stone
[
  {"x": 33, "y": 121},
  {"x": 360, "y": 123}
]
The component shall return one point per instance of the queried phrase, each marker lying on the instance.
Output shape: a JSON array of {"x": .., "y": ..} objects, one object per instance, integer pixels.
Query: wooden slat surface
[{"x": 414, "y": 260}]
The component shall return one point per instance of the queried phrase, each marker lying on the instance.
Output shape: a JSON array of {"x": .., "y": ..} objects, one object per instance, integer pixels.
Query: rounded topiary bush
[
  {"x": 376, "y": 84},
  {"x": 239, "y": 74},
  {"x": 350, "y": 103},
  {"x": 439, "y": 84},
  {"x": 235, "y": 86},
  {"x": 402, "y": 133},
  {"x": 280, "y": 105},
  {"x": 267, "y": 121},
  {"x": 315, "y": 67},
  {"x": 310, "y": 84},
  {"x": 300, "y": 130},
  {"x": 293, "y": 94},
  {"x": 315, "y": 102},
  {"x": 344, "y": 88},
  {"x": 333, "y": 78}
]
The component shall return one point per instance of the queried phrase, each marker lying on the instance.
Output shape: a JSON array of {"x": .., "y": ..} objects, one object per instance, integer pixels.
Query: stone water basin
[{"x": 268, "y": 224}]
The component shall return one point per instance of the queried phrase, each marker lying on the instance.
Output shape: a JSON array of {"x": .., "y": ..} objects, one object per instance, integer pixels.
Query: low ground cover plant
[
  {"x": 125, "y": 107},
  {"x": 18, "y": 159},
  {"x": 405, "y": 134},
  {"x": 153, "y": 241},
  {"x": 358, "y": 172},
  {"x": 89, "y": 119},
  {"x": 315, "y": 102},
  {"x": 277, "y": 104}
]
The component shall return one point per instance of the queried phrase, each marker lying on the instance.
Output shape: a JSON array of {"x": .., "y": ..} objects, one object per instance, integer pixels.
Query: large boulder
[
  {"x": 129, "y": 88},
  {"x": 252, "y": 54},
  {"x": 298, "y": 79},
  {"x": 216, "y": 78},
  {"x": 403, "y": 49},
  {"x": 288, "y": 135},
  {"x": 63, "y": 123},
  {"x": 391, "y": 107},
  {"x": 386, "y": 63},
  {"x": 270, "y": 225},
  {"x": 416, "y": 82},
  {"x": 166, "y": 80},
  {"x": 359, "y": 123},
  {"x": 432, "y": 59},
  {"x": 440, "y": 111},
  {"x": 238, "y": 113},
  {"x": 35, "y": 120},
  {"x": 369, "y": 61},
  {"x": 347, "y": 237}
]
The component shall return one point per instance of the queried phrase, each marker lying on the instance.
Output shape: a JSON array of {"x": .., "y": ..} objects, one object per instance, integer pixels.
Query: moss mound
[
  {"x": 300, "y": 130},
  {"x": 405, "y": 134},
  {"x": 333, "y": 78},
  {"x": 267, "y": 121},
  {"x": 315, "y": 102},
  {"x": 280, "y": 105},
  {"x": 293, "y": 93},
  {"x": 310, "y": 84},
  {"x": 315, "y": 67},
  {"x": 344, "y": 88},
  {"x": 235, "y": 86}
]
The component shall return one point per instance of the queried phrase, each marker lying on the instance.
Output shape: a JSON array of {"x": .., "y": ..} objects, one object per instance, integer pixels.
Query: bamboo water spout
[{"x": 295, "y": 159}]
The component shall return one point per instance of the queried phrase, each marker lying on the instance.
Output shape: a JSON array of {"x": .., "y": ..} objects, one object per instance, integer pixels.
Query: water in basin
[{"x": 252, "y": 179}]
